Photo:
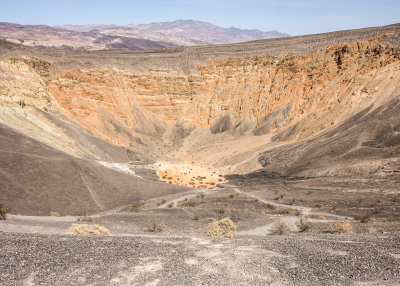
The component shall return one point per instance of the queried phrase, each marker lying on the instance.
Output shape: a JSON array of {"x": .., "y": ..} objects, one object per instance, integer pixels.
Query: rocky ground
[
  {"x": 41, "y": 251},
  {"x": 29, "y": 259}
]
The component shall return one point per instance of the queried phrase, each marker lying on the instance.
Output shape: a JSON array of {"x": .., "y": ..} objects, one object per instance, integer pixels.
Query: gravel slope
[{"x": 29, "y": 259}]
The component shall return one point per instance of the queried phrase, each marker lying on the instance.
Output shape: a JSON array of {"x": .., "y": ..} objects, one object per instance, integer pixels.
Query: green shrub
[{"x": 3, "y": 212}]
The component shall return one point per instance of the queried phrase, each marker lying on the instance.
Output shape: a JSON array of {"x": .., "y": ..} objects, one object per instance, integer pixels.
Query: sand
[{"x": 189, "y": 175}]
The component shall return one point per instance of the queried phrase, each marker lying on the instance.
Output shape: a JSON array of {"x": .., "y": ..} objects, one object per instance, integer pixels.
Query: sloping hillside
[{"x": 320, "y": 105}]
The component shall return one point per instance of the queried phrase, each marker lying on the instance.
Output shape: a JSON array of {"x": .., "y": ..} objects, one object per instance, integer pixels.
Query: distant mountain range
[{"x": 135, "y": 37}]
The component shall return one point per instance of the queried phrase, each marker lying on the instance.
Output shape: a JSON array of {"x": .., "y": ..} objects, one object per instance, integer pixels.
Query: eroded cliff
[{"x": 256, "y": 95}]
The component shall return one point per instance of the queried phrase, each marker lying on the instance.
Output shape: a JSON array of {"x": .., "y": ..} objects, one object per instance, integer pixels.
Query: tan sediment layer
[{"x": 189, "y": 175}]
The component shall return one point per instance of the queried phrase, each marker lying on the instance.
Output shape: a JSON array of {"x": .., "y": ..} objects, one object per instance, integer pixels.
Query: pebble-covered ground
[{"x": 326, "y": 259}]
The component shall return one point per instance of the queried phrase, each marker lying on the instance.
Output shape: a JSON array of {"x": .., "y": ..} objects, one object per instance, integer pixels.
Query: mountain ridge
[{"x": 131, "y": 37}]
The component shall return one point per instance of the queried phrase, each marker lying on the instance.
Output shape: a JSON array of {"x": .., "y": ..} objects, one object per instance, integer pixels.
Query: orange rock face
[{"x": 273, "y": 93}]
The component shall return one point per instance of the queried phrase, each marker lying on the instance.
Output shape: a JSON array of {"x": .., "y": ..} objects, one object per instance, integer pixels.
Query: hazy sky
[{"x": 291, "y": 16}]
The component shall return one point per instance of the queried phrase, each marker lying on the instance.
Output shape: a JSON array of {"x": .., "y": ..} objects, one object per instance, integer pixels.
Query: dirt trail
[
  {"x": 177, "y": 200},
  {"x": 290, "y": 220}
]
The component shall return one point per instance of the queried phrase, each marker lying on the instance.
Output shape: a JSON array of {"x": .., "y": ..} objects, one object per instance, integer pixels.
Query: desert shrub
[
  {"x": 394, "y": 199},
  {"x": 378, "y": 209},
  {"x": 55, "y": 214},
  {"x": 270, "y": 206},
  {"x": 297, "y": 213},
  {"x": 342, "y": 227},
  {"x": 318, "y": 216},
  {"x": 286, "y": 211},
  {"x": 303, "y": 225},
  {"x": 82, "y": 213},
  {"x": 154, "y": 226},
  {"x": 136, "y": 207},
  {"x": 88, "y": 229},
  {"x": 170, "y": 205},
  {"x": 192, "y": 203},
  {"x": 220, "y": 213},
  {"x": 235, "y": 218},
  {"x": 162, "y": 202},
  {"x": 196, "y": 217},
  {"x": 363, "y": 218},
  {"x": 3, "y": 212},
  {"x": 222, "y": 228},
  {"x": 280, "y": 228}
]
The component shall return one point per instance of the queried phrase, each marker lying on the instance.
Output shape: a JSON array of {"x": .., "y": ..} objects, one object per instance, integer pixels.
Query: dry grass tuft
[
  {"x": 342, "y": 227},
  {"x": 154, "y": 226},
  {"x": 222, "y": 228},
  {"x": 135, "y": 207},
  {"x": 88, "y": 229},
  {"x": 191, "y": 203},
  {"x": 270, "y": 206},
  {"x": 280, "y": 228},
  {"x": 303, "y": 225},
  {"x": 317, "y": 216},
  {"x": 285, "y": 211},
  {"x": 55, "y": 214},
  {"x": 363, "y": 218}
]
